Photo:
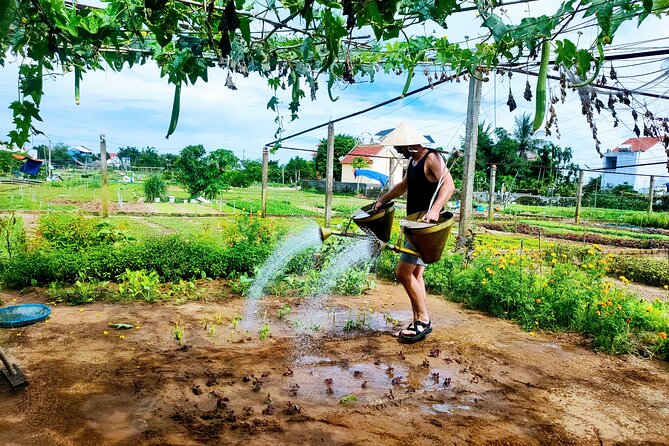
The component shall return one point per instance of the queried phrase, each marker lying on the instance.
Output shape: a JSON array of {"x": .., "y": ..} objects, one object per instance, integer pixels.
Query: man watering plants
[{"x": 428, "y": 185}]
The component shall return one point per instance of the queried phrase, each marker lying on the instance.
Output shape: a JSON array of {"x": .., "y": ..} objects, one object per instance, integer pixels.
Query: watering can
[{"x": 428, "y": 238}]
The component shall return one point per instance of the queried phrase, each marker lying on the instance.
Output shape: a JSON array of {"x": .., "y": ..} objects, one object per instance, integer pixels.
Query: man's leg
[{"x": 411, "y": 277}]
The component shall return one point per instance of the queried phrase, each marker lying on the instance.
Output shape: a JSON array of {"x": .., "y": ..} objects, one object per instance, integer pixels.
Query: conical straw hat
[{"x": 404, "y": 135}]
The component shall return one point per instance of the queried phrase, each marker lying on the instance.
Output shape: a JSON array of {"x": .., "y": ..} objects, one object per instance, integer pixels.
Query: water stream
[
  {"x": 355, "y": 253},
  {"x": 276, "y": 263}
]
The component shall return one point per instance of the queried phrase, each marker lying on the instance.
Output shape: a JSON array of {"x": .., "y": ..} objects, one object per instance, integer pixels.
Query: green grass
[
  {"x": 570, "y": 212},
  {"x": 619, "y": 233}
]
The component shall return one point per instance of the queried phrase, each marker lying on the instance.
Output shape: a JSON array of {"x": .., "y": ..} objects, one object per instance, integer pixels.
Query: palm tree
[{"x": 522, "y": 133}]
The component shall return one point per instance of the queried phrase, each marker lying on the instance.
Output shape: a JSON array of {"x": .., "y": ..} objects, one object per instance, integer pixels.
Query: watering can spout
[{"x": 325, "y": 233}]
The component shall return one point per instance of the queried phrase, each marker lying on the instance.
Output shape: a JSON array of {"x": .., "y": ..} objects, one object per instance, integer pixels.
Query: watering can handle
[{"x": 441, "y": 180}]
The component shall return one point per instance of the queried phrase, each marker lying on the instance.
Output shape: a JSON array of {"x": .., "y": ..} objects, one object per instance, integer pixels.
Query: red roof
[
  {"x": 639, "y": 144},
  {"x": 362, "y": 152}
]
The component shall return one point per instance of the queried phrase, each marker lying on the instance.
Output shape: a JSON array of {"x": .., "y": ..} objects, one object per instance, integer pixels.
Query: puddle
[
  {"x": 445, "y": 408},
  {"x": 322, "y": 379}
]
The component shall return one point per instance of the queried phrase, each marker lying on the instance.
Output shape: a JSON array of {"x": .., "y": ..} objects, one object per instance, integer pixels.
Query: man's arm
[
  {"x": 436, "y": 167},
  {"x": 398, "y": 190}
]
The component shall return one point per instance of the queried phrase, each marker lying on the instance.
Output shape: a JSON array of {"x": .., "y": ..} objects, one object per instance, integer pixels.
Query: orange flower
[
  {"x": 663, "y": 335},
  {"x": 538, "y": 301}
]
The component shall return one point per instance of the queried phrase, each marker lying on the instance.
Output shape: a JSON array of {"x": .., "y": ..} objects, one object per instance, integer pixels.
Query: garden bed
[{"x": 91, "y": 384}]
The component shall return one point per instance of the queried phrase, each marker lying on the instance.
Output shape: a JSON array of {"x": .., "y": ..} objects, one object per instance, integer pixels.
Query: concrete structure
[
  {"x": 379, "y": 158},
  {"x": 632, "y": 152}
]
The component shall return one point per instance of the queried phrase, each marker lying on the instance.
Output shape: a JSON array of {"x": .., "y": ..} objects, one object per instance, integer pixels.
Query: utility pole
[
  {"x": 329, "y": 175},
  {"x": 491, "y": 198},
  {"x": 103, "y": 174},
  {"x": 265, "y": 164},
  {"x": 651, "y": 193},
  {"x": 579, "y": 197},
  {"x": 471, "y": 141}
]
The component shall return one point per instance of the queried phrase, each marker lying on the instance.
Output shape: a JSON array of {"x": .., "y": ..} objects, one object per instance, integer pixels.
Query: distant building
[
  {"x": 380, "y": 159},
  {"x": 633, "y": 152}
]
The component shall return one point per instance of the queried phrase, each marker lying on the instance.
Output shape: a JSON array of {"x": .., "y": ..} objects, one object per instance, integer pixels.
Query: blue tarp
[
  {"x": 30, "y": 166},
  {"x": 381, "y": 178}
]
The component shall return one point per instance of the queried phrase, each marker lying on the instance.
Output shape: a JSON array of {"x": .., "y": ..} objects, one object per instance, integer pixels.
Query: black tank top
[{"x": 420, "y": 189}]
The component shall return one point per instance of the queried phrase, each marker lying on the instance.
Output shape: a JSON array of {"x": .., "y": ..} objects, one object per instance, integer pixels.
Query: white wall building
[
  {"x": 632, "y": 152},
  {"x": 379, "y": 158}
]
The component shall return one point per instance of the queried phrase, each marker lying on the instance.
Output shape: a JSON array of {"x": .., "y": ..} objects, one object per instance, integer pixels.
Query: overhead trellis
[{"x": 296, "y": 45}]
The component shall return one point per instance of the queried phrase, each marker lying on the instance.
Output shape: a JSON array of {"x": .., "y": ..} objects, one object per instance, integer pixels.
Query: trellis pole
[
  {"x": 471, "y": 141},
  {"x": 579, "y": 197},
  {"x": 329, "y": 175},
  {"x": 491, "y": 197},
  {"x": 651, "y": 193},
  {"x": 103, "y": 176},
  {"x": 265, "y": 165}
]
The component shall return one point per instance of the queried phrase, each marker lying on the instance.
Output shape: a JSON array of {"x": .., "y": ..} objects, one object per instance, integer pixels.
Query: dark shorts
[{"x": 413, "y": 260}]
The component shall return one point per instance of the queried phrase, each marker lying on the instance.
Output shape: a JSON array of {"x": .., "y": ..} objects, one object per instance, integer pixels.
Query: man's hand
[
  {"x": 377, "y": 206},
  {"x": 431, "y": 216}
]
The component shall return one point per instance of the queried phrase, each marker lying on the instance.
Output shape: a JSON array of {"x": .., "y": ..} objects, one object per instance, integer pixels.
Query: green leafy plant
[
  {"x": 139, "y": 285},
  {"x": 178, "y": 331},
  {"x": 284, "y": 311},
  {"x": 155, "y": 187},
  {"x": 347, "y": 400},
  {"x": 264, "y": 331}
]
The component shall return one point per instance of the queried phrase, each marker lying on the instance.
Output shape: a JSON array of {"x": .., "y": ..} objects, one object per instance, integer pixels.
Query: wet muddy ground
[{"x": 474, "y": 380}]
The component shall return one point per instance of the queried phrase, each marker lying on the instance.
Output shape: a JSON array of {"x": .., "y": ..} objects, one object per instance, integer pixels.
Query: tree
[
  {"x": 149, "y": 157},
  {"x": 186, "y": 40},
  {"x": 197, "y": 173},
  {"x": 300, "y": 168},
  {"x": 130, "y": 153},
  {"x": 342, "y": 145},
  {"x": 224, "y": 159}
]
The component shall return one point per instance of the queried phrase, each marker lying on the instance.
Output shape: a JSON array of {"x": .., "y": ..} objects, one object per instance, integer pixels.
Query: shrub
[
  {"x": 65, "y": 231},
  {"x": 155, "y": 187},
  {"x": 642, "y": 270}
]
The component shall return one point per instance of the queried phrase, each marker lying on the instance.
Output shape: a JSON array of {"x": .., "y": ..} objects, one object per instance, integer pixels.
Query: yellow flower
[
  {"x": 512, "y": 262},
  {"x": 666, "y": 287},
  {"x": 597, "y": 247},
  {"x": 18, "y": 334},
  {"x": 121, "y": 337},
  {"x": 624, "y": 279},
  {"x": 105, "y": 332},
  {"x": 502, "y": 267},
  {"x": 599, "y": 313},
  {"x": 591, "y": 252},
  {"x": 532, "y": 333},
  {"x": 649, "y": 308},
  {"x": 81, "y": 310},
  {"x": 554, "y": 261},
  {"x": 663, "y": 335},
  {"x": 553, "y": 254},
  {"x": 620, "y": 307},
  {"x": 484, "y": 282}
]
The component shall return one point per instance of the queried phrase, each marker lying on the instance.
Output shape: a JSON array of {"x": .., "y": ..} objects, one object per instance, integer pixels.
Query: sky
[{"x": 133, "y": 107}]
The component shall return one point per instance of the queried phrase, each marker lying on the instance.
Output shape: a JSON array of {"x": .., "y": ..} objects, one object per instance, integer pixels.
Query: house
[
  {"x": 631, "y": 153},
  {"x": 381, "y": 159}
]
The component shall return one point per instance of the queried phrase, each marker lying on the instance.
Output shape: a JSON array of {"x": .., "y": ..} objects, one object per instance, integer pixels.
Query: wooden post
[
  {"x": 329, "y": 175},
  {"x": 579, "y": 197},
  {"x": 491, "y": 198},
  {"x": 471, "y": 141},
  {"x": 391, "y": 172},
  {"x": 103, "y": 176},
  {"x": 651, "y": 193},
  {"x": 265, "y": 165}
]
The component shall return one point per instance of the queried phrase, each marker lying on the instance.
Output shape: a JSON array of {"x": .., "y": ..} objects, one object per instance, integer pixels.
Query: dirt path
[{"x": 475, "y": 380}]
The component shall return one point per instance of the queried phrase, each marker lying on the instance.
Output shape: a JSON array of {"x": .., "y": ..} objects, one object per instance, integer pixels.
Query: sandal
[
  {"x": 397, "y": 334},
  {"x": 421, "y": 330}
]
